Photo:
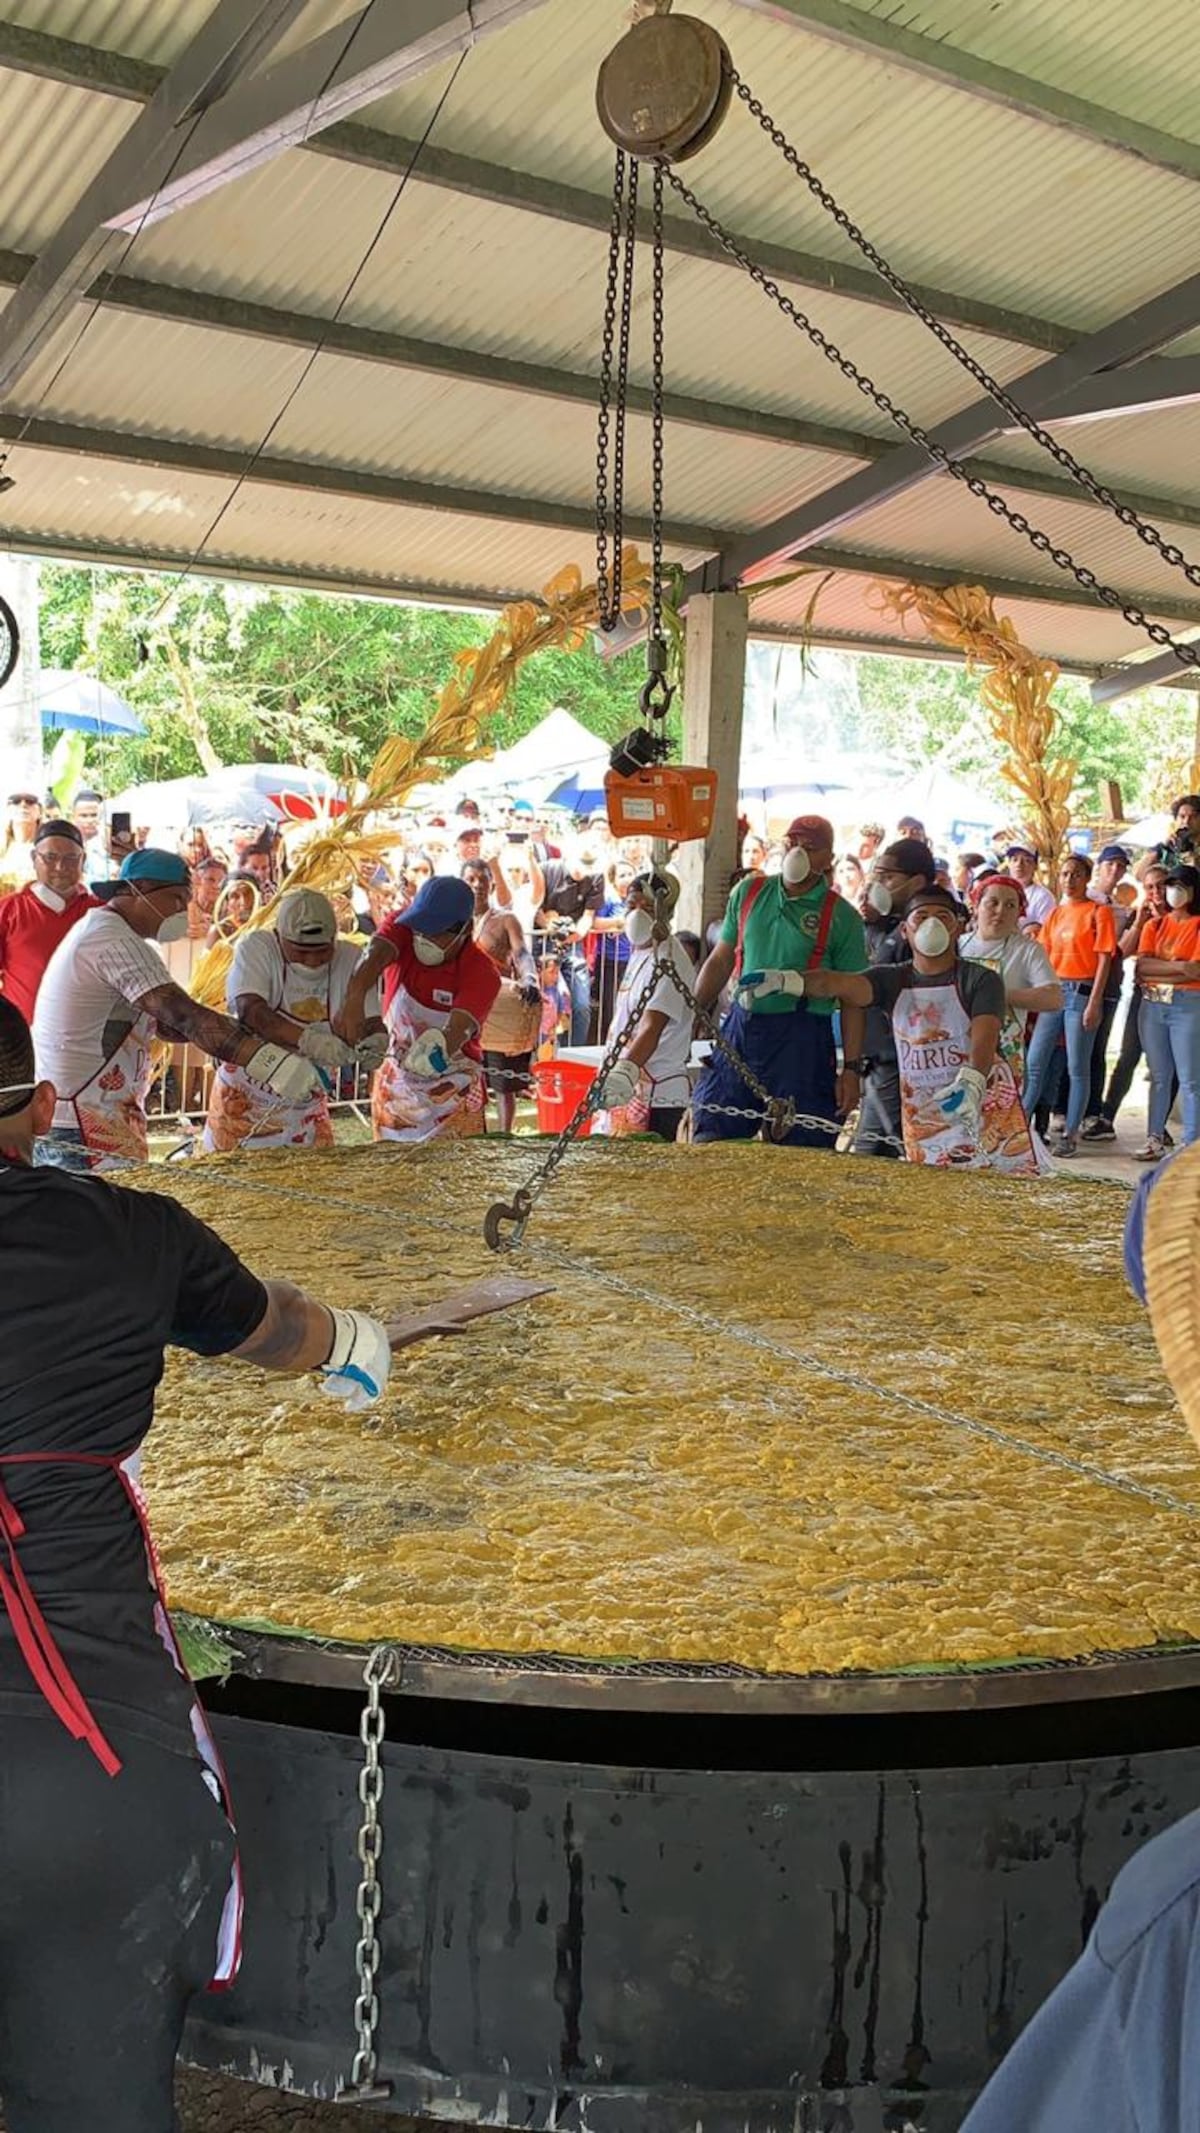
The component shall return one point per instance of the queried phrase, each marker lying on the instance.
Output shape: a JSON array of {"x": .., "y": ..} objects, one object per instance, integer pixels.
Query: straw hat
[{"x": 1168, "y": 1203}]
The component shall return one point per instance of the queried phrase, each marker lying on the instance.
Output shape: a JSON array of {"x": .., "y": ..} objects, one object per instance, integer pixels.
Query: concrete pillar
[
  {"x": 718, "y": 625},
  {"x": 21, "y": 767}
]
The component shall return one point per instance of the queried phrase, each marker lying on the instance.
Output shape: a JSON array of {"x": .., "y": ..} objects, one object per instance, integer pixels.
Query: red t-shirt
[
  {"x": 29, "y": 934},
  {"x": 470, "y": 981}
]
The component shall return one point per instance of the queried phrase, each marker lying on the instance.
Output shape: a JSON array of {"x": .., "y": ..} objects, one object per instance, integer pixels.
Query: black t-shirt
[
  {"x": 570, "y": 899},
  {"x": 981, "y": 990},
  {"x": 94, "y": 1283}
]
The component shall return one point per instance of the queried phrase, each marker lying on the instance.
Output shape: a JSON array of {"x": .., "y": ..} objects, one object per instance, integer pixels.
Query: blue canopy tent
[{"x": 82, "y": 703}]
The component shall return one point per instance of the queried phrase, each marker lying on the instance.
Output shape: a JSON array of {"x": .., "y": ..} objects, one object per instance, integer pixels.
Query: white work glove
[
  {"x": 359, "y": 1362},
  {"x": 319, "y": 1044},
  {"x": 962, "y": 1101},
  {"x": 619, "y": 1086},
  {"x": 762, "y": 984},
  {"x": 286, "y": 1074},
  {"x": 427, "y": 1057},
  {"x": 372, "y": 1052}
]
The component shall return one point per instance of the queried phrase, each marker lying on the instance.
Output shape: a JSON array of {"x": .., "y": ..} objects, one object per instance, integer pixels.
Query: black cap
[{"x": 58, "y": 829}]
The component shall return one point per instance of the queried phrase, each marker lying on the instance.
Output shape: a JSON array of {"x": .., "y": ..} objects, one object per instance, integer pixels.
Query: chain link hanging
[
  {"x": 614, "y": 388},
  {"x": 1091, "y": 483},
  {"x": 1187, "y": 654},
  {"x": 382, "y": 1671}
]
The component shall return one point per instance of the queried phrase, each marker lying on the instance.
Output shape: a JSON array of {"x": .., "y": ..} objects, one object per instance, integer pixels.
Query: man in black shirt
[
  {"x": 117, "y": 1892},
  {"x": 573, "y": 895},
  {"x": 896, "y": 874}
]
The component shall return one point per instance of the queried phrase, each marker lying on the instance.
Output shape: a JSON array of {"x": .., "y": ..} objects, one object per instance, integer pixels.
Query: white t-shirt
[
  {"x": 308, "y": 995},
  {"x": 92, "y": 985},
  {"x": 667, "y": 1065},
  {"x": 1022, "y": 962},
  {"x": 1039, "y": 903}
]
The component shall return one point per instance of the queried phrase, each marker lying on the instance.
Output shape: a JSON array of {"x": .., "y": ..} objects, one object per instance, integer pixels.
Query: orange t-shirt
[
  {"x": 1075, "y": 936},
  {"x": 1177, "y": 940}
]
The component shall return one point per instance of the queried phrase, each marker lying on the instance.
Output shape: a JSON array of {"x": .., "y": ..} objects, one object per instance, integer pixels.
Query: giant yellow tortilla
[{"x": 675, "y": 1473}]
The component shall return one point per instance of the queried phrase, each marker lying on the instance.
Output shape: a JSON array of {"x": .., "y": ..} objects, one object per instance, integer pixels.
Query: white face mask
[
  {"x": 639, "y": 929},
  {"x": 427, "y": 951},
  {"x": 879, "y": 896},
  {"x": 50, "y": 897},
  {"x": 1178, "y": 896},
  {"x": 174, "y": 928},
  {"x": 797, "y": 866},
  {"x": 932, "y": 937}
]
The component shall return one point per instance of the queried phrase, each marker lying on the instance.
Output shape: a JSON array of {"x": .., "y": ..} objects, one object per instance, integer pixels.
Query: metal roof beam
[
  {"x": 1140, "y": 389},
  {"x": 287, "y": 104},
  {"x": 1116, "y": 682},
  {"x": 232, "y": 41},
  {"x": 325, "y": 479},
  {"x": 1152, "y": 325},
  {"x": 82, "y": 66},
  {"x": 908, "y": 570},
  {"x": 934, "y": 57}
]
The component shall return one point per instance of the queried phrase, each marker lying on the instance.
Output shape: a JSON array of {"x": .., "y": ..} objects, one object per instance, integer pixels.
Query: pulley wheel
[{"x": 664, "y": 90}]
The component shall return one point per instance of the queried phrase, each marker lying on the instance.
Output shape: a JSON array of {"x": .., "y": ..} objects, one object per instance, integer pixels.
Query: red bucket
[{"x": 560, "y": 1088}]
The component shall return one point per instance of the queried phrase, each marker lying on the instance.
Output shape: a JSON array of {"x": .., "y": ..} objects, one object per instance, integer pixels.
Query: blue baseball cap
[
  {"x": 443, "y": 905},
  {"x": 1115, "y": 851},
  {"x": 150, "y": 869}
]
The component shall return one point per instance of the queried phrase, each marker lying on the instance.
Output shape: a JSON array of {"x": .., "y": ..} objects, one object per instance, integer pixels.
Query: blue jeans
[
  {"x": 1067, "y": 1022},
  {"x": 1170, "y": 1031},
  {"x": 792, "y": 1055},
  {"x": 578, "y": 981}
]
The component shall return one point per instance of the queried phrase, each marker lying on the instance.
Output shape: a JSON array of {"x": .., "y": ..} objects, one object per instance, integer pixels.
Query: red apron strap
[
  {"x": 38, "y": 1648},
  {"x": 822, "y": 939},
  {"x": 754, "y": 890}
]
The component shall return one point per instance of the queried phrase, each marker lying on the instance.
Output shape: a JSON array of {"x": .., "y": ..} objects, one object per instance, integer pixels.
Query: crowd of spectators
[{"x": 1106, "y": 960}]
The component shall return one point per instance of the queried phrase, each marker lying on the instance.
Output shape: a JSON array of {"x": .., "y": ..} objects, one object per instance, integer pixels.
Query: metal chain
[
  {"x": 622, "y": 243},
  {"x": 382, "y": 1671},
  {"x": 1095, "y": 488},
  {"x": 658, "y": 647},
  {"x": 1187, "y": 654}
]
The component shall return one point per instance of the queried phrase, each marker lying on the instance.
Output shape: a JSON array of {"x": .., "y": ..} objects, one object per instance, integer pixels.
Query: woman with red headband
[{"x": 995, "y": 938}]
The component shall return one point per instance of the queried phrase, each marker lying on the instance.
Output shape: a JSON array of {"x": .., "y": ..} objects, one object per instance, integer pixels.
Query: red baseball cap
[{"x": 812, "y": 826}]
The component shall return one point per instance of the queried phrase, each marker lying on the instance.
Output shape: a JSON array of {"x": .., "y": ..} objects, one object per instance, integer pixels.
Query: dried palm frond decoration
[
  {"x": 1015, "y": 689},
  {"x": 477, "y": 690}
]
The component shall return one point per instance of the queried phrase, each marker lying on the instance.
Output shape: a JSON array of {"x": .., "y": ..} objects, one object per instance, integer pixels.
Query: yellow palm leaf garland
[
  {"x": 479, "y": 687},
  {"x": 1015, "y": 688}
]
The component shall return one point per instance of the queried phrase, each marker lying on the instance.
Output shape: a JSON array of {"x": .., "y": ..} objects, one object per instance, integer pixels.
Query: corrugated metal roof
[
  {"x": 154, "y": 30},
  {"x": 1149, "y": 70},
  {"x": 166, "y": 514},
  {"x": 1032, "y": 217},
  {"x": 1158, "y": 451},
  {"x": 961, "y": 192}
]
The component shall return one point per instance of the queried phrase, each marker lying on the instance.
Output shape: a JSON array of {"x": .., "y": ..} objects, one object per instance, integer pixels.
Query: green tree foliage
[{"x": 292, "y": 676}]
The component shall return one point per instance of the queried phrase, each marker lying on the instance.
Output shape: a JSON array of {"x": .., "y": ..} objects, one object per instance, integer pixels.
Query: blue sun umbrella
[{"x": 82, "y": 703}]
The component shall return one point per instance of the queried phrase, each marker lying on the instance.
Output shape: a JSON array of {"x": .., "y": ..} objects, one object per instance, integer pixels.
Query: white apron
[
  {"x": 110, "y": 1109},
  {"x": 411, "y": 1107},
  {"x": 243, "y": 1114},
  {"x": 932, "y": 1030}
]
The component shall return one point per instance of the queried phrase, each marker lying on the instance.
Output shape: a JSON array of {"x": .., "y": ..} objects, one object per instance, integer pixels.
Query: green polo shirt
[{"x": 780, "y": 934}]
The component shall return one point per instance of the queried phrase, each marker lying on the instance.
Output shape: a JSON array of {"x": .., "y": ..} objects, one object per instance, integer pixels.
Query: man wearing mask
[
  {"x": 648, "y": 1090},
  {"x": 438, "y": 991},
  {"x": 897, "y": 873},
  {"x": 946, "y": 1016},
  {"x": 777, "y": 927},
  {"x": 105, "y": 997},
  {"x": 39, "y": 916}
]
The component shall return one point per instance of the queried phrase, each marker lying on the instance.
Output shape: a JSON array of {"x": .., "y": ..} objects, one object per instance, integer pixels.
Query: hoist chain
[
  {"x": 656, "y": 697},
  {"x": 610, "y": 428},
  {"x": 1146, "y": 532},
  {"x": 382, "y": 1671},
  {"x": 1187, "y": 654}
]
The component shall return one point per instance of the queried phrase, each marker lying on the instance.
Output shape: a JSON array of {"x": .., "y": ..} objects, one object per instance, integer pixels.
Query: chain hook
[
  {"x": 658, "y": 694},
  {"x": 500, "y": 1214}
]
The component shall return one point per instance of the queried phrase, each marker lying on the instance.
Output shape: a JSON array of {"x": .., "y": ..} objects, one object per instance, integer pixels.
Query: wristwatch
[{"x": 857, "y": 1066}]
